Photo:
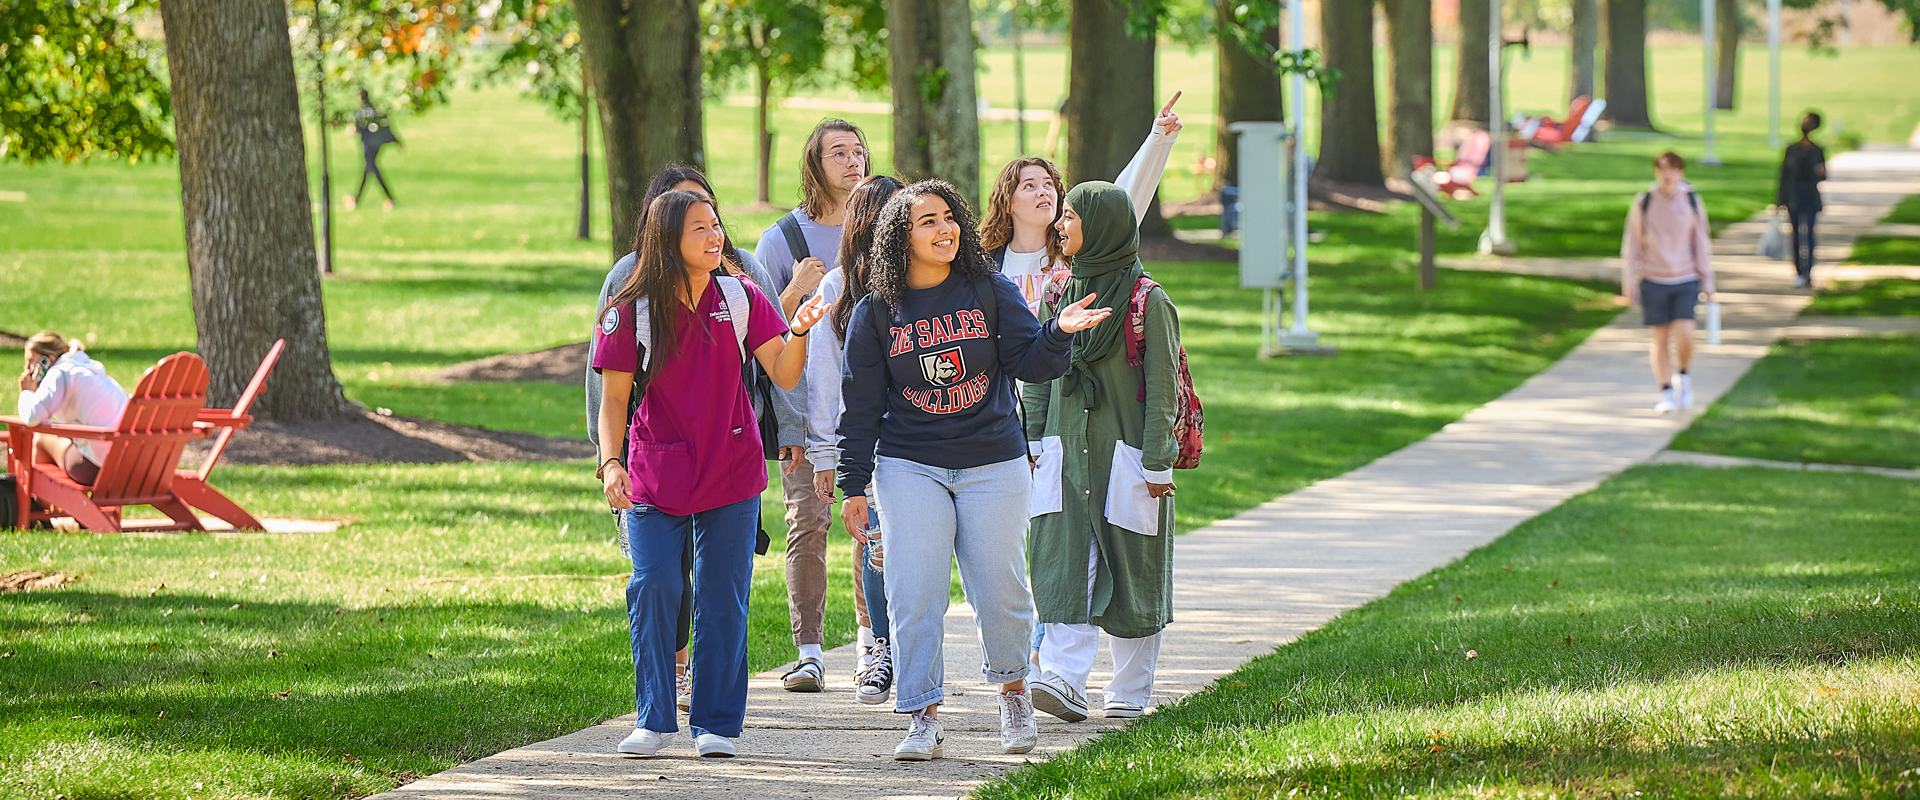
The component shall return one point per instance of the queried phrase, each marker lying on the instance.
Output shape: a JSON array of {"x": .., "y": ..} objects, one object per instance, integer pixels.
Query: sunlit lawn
[{"x": 1839, "y": 401}]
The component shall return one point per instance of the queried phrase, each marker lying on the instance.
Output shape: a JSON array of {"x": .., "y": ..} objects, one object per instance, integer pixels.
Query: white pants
[{"x": 1068, "y": 651}]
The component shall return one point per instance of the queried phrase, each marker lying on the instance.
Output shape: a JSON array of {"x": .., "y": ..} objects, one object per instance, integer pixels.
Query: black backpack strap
[
  {"x": 1646, "y": 199},
  {"x": 999, "y": 256},
  {"x": 989, "y": 304},
  {"x": 796, "y": 242}
]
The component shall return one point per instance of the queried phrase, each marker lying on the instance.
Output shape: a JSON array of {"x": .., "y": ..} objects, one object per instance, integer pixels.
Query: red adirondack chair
[
  {"x": 1456, "y": 180},
  {"x": 1550, "y": 133},
  {"x": 144, "y": 448},
  {"x": 191, "y": 485}
]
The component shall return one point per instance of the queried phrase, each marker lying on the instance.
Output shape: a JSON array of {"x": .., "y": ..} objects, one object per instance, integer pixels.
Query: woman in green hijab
[{"x": 1102, "y": 528}]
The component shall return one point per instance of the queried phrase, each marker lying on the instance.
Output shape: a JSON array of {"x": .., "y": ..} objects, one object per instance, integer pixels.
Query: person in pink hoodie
[{"x": 1668, "y": 263}]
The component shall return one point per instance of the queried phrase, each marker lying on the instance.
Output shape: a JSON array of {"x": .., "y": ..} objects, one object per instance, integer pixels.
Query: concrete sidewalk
[{"x": 1244, "y": 585}]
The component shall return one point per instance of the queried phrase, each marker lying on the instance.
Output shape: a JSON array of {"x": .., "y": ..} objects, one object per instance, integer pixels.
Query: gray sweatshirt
[{"x": 616, "y": 277}]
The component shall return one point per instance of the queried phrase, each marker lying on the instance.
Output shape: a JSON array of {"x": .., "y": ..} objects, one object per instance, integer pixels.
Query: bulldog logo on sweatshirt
[{"x": 943, "y": 368}]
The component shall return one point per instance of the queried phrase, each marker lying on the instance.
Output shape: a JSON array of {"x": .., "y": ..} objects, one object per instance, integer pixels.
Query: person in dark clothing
[
  {"x": 374, "y": 132},
  {"x": 1801, "y": 171}
]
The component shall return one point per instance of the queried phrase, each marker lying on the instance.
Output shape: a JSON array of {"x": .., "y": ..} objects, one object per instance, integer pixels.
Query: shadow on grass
[{"x": 1668, "y": 630}]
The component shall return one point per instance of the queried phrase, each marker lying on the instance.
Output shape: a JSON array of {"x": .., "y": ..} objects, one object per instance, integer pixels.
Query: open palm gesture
[{"x": 1077, "y": 317}]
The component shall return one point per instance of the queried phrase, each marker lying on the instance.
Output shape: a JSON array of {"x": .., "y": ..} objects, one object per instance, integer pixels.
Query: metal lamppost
[
  {"x": 1299, "y": 337},
  {"x": 1773, "y": 74},
  {"x": 1494, "y": 239},
  {"x": 1708, "y": 66},
  {"x": 326, "y": 155}
]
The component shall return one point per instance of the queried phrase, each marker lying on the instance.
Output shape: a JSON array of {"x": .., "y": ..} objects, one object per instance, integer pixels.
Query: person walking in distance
[
  {"x": 798, "y": 251},
  {"x": 1104, "y": 446},
  {"x": 375, "y": 132},
  {"x": 932, "y": 428},
  {"x": 1667, "y": 263},
  {"x": 1017, "y": 229},
  {"x": 844, "y": 288},
  {"x": 738, "y": 262},
  {"x": 1801, "y": 170},
  {"x": 697, "y": 463}
]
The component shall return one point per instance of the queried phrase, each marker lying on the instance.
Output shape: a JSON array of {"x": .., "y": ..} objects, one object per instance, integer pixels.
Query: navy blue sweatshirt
[{"x": 935, "y": 389}]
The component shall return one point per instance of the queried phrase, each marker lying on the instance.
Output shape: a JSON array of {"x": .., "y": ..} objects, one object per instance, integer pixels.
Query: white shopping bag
[
  {"x": 1045, "y": 496},
  {"x": 1770, "y": 244},
  {"x": 1713, "y": 322},
  {"x": 1128, "y": 504}
]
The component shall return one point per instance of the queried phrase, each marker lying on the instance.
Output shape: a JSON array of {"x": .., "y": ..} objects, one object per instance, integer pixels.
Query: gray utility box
[{"x": 1265, "y": 203}]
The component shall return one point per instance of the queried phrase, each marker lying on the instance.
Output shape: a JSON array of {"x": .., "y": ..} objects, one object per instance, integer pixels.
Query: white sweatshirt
[
  {"x": 1141, "y": 179},
  {"x": 77, "y": 391}
]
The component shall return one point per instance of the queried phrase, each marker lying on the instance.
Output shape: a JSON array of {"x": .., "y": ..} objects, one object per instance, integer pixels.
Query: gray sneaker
[
  {"x": 1055, "y": 697},
  {"x": 924, "y": 737},
  {"x": 1018, "y": 732}
]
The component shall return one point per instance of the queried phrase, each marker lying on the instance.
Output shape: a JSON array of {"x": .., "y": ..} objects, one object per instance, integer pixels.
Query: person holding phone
[{"x": 61, "y": 384}]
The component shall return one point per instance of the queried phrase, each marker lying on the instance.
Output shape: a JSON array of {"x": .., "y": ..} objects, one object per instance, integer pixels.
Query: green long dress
[{"x": 1133, "y": 583}]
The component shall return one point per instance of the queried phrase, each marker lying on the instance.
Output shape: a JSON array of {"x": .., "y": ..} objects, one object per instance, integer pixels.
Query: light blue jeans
[{"x": 933, "y": 516}]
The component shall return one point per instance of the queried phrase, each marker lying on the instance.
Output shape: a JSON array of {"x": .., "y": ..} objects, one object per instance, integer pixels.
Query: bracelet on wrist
[{"x": 600, "y": 472}]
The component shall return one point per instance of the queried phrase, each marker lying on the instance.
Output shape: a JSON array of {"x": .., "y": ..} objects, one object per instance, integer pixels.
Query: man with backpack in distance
[
  {"x": 798, "y": 251},
  {"x": 1667, "y": 263}
]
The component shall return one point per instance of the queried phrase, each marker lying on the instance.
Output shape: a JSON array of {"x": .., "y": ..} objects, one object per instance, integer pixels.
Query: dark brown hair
[
  {"x": 1670, "y": 160},
  {"x": 659, "y": 274},
  {"x": 813, "y": 171},
  {"x": 996, "y": 228},
  {"x": 893, "y": 246},
  {"x": 856, "y": 244},
  {"x": 663, "y": 183}
]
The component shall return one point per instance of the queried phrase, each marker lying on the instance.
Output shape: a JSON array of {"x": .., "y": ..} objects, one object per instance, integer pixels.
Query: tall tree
[
  {"x": 1349, "y": 121},
  {"x": 936, "y": 124},
  {"x": 1410, "y": 86},
  {"x": 1627, "y": 102},
  {"x": 1726, "y": 30},
  {"x": 1586, "y": 37},
  {"x": 1110, "y": 92},
  {"x": 243, "y": 187},
  {"x": 1470, "y": 89},
  {"x": 1249, "y": 86},
  {"x": 782, "y": 43},
  {"x": 644, "y": 56},
  {"x": 77, "y": 83}
]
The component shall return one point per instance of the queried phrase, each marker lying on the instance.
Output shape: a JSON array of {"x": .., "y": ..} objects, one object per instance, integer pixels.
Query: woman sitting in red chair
[{"x": 61, "y": 384}]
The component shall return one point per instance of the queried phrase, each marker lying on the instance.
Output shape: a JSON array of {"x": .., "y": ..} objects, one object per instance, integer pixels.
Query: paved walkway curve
[{"x": 1247, "y": 584}]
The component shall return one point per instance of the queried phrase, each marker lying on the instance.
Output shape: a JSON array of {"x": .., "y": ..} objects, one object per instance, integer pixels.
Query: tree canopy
[{"x": 76, "y": 82}]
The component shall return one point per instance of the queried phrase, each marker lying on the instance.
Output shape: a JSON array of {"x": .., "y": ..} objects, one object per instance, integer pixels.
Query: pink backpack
[{"x": 1188, "y": 418}]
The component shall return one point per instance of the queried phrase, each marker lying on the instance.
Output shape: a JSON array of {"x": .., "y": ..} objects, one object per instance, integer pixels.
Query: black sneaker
[{"x": 876, "y": 683}]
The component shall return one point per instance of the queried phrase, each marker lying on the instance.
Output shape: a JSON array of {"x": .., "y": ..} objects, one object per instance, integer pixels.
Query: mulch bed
[
  {"x": 31, "y": 579},
  {"x": 565, "y": 365}
]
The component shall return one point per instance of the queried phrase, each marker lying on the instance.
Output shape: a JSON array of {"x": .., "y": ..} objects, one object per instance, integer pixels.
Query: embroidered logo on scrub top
[
  {"x": 610, "y": 322},
  {"x": 943, "y": 368}
]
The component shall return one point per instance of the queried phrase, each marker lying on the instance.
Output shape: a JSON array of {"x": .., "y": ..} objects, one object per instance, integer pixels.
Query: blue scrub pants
[{"x": 722, "y": 540}]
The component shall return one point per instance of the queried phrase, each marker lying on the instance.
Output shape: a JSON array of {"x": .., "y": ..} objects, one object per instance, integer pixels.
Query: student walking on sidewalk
[
  {"x": 695, "y": 454},
  {"x": 1103, "y": 479},
  {"x": 932, "y": 428},
  {"x": 798, "y": 250},
  {"x": 1018, "y": 228},
  {"x": 739, "y": 262},
  {"x": 845, "y": 287},
  {"x": 1667, "y": 263},
  {"x": 1801, "y": 170}
]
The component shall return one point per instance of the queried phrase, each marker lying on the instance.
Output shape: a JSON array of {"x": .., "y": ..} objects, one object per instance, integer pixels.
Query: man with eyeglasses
[{"x": 799, "y": 250}]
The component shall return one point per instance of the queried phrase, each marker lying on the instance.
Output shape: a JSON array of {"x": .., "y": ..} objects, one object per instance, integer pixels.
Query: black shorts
[
  {"x": 1661, "y": 303},
  {"x": 78, "y": 468}
]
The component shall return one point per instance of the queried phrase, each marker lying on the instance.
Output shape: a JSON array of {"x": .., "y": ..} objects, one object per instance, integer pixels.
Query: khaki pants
[{"x": 807, "y": 520}]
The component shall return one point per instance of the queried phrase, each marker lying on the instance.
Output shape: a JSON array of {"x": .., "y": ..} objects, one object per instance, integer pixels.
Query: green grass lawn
[
  {"x": 1906, "y": 212},
  {"x": 1899, "y": 250},
  {"x": 1891, "y": 297},
  {"x": 1677, "y": 632},
  {"x": 1838, "y": 401}
]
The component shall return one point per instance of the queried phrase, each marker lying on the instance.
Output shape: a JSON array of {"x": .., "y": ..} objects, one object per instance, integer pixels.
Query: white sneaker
[
  {"x": 1686, "y": 391},
  {"x": 1121, "y": 709},
  {"x": 683, "y": 691},
  {"x": 713, "y": 745},
  {"x": 1666, "y": 404},
  {"x": 1018, "y": 732},
  {"x": 643, "y": 742},
  {"x": 924, "y": 737},
  {"x": 1055, "y": 697},
  {"x": 1801, "y": 282}
]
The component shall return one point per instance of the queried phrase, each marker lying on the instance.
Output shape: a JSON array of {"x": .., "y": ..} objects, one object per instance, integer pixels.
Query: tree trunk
[
  {"x": 1627, "y": 64},
  {"x": 1110, "y": 98},
  {"x": 1249, "y": 91},
  {"x": 1586, "y": 37},
  {"x": 1470, "y": 67},
  {"x": 1727, "y": 35},
  {"x": 1410, "y": 90},
  {"x": 1349, "y": 121},
  {"x": 763, "y": 139},
  {"x": 243, "y": 190},
  {"x": 936, "y": 125},
  {"x": 645, "y": 60}
]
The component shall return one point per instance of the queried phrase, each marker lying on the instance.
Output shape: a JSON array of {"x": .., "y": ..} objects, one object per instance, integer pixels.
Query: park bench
[{"x": 164, "y": 412}]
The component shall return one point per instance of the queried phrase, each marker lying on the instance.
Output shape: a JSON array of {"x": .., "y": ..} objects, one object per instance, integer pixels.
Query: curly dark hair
[
  {"x": 892, "y": 248},
  {"x": 856, "y": 241}
]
